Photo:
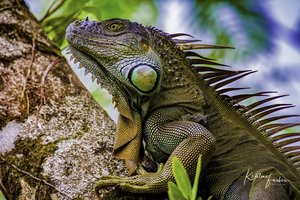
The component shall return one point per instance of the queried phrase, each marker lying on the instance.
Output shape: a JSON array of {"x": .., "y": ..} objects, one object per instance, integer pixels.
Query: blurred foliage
[
  {"x": 98, "y": 96},
  {"x": 1, "y": 196},
  {"x": 234, "y": 22},
  {"x": 62, "y": 12}
]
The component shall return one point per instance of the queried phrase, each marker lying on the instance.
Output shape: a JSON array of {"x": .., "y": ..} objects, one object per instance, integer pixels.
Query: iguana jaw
[{"x": 91, "y": 65}]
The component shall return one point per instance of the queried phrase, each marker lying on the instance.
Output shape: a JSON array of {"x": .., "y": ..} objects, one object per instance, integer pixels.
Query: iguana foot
[{"x": 145, "y": 183}]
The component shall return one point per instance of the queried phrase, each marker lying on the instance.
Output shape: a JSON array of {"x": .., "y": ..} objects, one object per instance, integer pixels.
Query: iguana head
[{"x": 121, "y": 50}]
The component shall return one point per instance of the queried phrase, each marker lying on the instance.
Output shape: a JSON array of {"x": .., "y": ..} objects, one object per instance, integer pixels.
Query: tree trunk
[{"x": 55, "y": 141}]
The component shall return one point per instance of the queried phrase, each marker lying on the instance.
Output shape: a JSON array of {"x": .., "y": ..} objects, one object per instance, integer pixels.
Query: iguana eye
[
  {"x": 143, "y": 77},
  {"x": 115, "y": 27}
]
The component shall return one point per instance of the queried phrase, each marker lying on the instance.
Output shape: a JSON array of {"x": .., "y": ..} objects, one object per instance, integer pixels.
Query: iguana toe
[{"x": 150, "y": 182}]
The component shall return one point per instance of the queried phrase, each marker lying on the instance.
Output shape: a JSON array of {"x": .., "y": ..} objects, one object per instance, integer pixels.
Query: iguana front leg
[{"x": 166, "y": 134}]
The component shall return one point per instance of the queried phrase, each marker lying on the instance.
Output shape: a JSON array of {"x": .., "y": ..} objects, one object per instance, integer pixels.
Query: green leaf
[
  {"x": 181, "y": 177},
  {"x": 196, "y": 181},
  {"x": 173, "y": 192}
]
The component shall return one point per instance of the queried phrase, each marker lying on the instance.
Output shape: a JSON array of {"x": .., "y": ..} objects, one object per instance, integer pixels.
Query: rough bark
[{"x": 55, "y": 140}]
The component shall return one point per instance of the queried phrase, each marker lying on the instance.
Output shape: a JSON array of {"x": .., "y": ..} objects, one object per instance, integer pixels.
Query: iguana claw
[{"x": 145, "y": 183}]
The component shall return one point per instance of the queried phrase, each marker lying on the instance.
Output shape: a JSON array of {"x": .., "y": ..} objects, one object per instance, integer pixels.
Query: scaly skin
[{"x": 163, "y": 100}]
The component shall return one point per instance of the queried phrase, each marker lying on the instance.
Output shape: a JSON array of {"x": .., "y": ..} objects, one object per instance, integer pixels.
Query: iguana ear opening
[{"x": 143, "y": 77}]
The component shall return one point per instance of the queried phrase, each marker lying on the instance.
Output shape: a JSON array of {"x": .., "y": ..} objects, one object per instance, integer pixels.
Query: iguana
[{"x": 177, "y": 102}]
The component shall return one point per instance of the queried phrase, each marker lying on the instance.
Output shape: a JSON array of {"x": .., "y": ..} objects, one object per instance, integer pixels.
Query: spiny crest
[
  {"x": 164, "y": 43},
  {"x": 217, "y": 76}
]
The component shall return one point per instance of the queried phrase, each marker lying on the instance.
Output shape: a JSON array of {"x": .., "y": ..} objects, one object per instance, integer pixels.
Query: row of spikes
[
  {"x": 86, "y": 72},
  {"x": 75, "y": 61},
  {"x": 217, "y": 76}
]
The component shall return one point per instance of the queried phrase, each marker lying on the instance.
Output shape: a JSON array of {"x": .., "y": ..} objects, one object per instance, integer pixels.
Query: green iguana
[{"x": 175, "y": 100}]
